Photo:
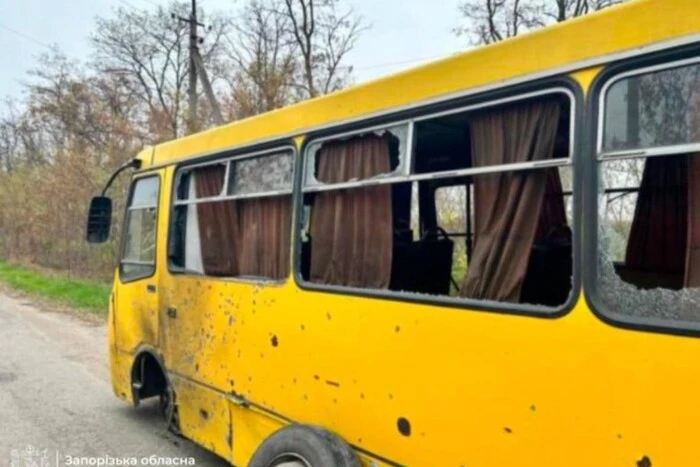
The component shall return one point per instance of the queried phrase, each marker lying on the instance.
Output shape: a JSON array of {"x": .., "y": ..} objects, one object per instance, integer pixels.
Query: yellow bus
[{"x": 489, "y": 260}]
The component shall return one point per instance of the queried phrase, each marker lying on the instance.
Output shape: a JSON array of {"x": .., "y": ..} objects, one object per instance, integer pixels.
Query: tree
[
  {"x": 323, "y": 34},
  {"x": 10, "y": 135},
  {"x": 491, "y": 21},
  {"x": 149, "y": 50},
  {"x": 263, "y": 60}
]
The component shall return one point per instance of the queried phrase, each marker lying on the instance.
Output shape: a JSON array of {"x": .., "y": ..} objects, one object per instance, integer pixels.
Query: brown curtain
[
  {"x": 692, "y": 267},
  {"x": 506, "y": 203},
  {"x": 218, "y": 223},
  {"x": 553, "y": 211},
  {"x": 658, "y": 237},
  {"x": 352, "y": 230},
  {"x": 265, "y": 229}
]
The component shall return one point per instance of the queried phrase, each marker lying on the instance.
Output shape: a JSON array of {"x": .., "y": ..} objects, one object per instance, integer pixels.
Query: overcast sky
[{"x": 403, "y": 33}]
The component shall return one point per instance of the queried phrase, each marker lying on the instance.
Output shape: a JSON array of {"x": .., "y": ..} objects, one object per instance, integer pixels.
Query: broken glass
[
  {"x": 261, "y": 174},
  {"x": 654, "y": 109},
  {"x": 400, "y": 134},
  {"x": 214, "y": 174},
  {"x": 623, "y": 298}
]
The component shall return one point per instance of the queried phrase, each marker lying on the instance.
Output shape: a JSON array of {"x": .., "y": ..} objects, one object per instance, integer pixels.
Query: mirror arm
[{"x": 133, "y": 163}]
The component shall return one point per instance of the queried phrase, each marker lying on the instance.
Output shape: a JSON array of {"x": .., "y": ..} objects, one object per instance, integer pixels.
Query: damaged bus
[{"x": 493, "y": 259}]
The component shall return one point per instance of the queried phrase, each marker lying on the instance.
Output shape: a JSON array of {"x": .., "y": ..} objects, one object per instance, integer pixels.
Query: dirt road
[{"x": 55, "y": 397}]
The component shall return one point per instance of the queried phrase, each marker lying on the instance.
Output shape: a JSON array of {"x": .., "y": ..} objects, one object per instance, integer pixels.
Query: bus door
[{"x": 136, "y": 313}]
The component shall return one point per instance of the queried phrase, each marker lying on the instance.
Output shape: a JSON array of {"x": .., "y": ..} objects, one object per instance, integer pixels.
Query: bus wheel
[{"x": 304, "y": 446}]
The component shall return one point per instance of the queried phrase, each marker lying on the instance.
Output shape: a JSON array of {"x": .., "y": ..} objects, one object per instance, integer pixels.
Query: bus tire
[{"x": 304, "y": 446}]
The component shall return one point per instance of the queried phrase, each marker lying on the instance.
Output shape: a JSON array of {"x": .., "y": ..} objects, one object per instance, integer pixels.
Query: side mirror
[{"x": 99, "y": 219}]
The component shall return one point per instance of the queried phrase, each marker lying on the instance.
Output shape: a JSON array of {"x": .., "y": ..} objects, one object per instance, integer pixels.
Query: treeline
[{"x": 78, "y": 121}]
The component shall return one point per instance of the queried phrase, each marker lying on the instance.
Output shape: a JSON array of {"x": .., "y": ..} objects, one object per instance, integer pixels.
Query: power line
[
  {"x": 25, "y": 36},
  {"x": 131, "y": 5},
  {"x": 153, "y": 3}
]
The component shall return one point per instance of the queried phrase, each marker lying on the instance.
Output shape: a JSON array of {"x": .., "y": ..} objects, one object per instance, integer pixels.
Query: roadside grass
[{"x": 83, "y": 295}]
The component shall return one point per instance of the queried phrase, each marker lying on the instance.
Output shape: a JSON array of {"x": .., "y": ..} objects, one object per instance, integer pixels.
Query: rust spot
[
  {"x": 362, "y": 395},
  {"x": 204, "y": 414},
  {"x": 404, "y": 426},
  {"x": 644, "y": 462},
  {"x": 508, "y": 430},
  {"x": 533, "y": 408},
  {"x": 196, "y": 367},
  {"x": 391, "y": 396},
  {"x": 230, "y": 320},
  {"x": 397, "y": 329},
  {"x": 302, "y": 327},
  {"x": 332, "y": 383},
  {"x": 316, "y": 377},
  {"x": 274, "y": 341},
  {"x": 329, "y": 316},
  {"x": 619, "y": 436}
]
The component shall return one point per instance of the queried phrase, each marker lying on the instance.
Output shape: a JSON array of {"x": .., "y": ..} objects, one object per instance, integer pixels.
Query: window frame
[
  {"x": 246, "y": 152},
  {"x": 652, "y": 151},
  {"x": 595, "y": 117},
  {"x": 558, "y": 85},
  {"x": 225, "y": 196},
  {"x": 122, "y": 247},
  {"x": 390, "y": 177}
]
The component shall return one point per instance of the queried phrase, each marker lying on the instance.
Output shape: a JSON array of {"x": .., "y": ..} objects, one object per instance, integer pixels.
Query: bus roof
[{"x": 581, "y": 43}]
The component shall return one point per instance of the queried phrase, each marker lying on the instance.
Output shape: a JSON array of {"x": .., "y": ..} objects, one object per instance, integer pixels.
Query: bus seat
[
  {"x": 306, "y": 259},
  {"x": 548, "y": 278},
  {"x": 644, "y": 279},
  {"x": 423, "y": 266}
]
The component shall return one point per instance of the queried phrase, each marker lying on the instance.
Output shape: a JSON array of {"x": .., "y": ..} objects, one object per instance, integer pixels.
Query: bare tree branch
[{"x": 488, "y": 21}]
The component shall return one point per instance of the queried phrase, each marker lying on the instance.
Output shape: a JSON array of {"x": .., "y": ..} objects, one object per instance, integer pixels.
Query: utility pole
[
  {"x": 197, "y": 69},
  {"x": 193, "y": 66}
]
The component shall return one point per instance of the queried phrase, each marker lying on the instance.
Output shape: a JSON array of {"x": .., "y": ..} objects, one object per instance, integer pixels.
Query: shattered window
[
  {"x": 648, "y": 260},
  {"x": 646, "y": 265},
  {"x": 396, "y": 138},
  {"x": 261, "y": 174},
  {"x": 653, "y": 109},
  {"x": 473, "y": 205},
  {"x": 212, "y": 174},
  {"x": 232, "y": 218},
  {"x": 140, "y": 233}
]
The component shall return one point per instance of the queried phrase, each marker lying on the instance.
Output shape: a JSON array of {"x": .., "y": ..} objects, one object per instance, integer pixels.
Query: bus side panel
[
  {"x": 250, "y": 428},
  {"x": 204, "y": 416}
]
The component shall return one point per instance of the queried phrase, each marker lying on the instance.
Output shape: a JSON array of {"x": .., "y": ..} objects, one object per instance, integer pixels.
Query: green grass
[{"x": 84, "y": 295}]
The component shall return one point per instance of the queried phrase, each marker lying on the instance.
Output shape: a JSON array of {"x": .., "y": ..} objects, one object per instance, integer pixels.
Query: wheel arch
[{"x": 149, "y": 376}]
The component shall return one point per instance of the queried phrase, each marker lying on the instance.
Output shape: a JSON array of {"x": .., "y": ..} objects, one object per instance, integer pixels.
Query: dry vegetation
[{"x": 79, "y": 121}]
